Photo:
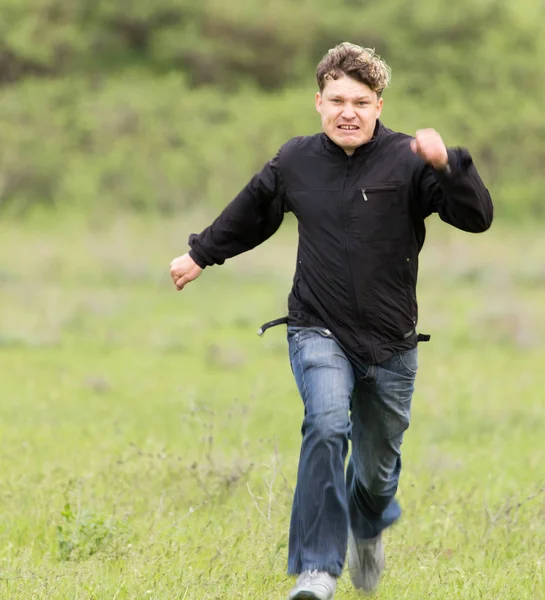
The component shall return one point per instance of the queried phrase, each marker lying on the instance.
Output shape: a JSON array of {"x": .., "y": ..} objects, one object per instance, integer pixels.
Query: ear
[
  {"x": 379, "y": 106},
  {"x": 318, "y": 101}
]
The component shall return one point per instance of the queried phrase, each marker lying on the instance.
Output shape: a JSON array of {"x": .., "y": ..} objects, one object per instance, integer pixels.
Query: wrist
[
  {"x": 196, "y": 258},
  {"x": 444, "y": 168},
  {"x": 443, "y": 164}
]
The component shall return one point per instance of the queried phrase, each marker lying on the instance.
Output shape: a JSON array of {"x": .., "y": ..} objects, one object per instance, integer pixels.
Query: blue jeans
[{"x": 344, "y": 399}]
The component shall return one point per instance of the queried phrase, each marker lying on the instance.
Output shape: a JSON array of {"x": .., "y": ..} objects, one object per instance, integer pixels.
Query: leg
[
  {"x": 380, "y": 415},
  {"x": 319, "y": 521}
]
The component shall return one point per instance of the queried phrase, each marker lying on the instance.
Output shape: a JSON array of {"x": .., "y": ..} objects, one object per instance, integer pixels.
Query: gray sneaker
[
  {"x": 314, "y": 585},
  {"x": 365, "y": 562}
]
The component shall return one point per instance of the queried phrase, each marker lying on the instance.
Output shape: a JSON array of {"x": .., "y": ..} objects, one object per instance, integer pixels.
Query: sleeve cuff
[
  {"x": 198, "y": 260},
  {"x": 458, "y": 160}
]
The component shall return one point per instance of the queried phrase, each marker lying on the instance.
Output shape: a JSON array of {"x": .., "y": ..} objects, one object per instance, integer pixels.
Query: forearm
[
  {"x": 459, "y": 195},
  {"x": 251, "y": 218}
]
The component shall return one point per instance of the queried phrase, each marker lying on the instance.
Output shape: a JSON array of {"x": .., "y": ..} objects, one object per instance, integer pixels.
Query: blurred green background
[
  {"x": 150, "y": 439},
  {"x": 161, "y": 106}
]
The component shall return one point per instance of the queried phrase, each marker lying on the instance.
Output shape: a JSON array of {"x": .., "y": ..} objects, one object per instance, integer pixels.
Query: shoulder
[
  {"x": 398, "y": 144},
  {"x": 298, "y": 151},
  {"x": 395, "y": 138},
  {"x": 301, "y": 143},
  {"x": 301, "y": 154}
]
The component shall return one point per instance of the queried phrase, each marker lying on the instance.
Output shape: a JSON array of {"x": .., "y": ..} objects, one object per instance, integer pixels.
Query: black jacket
[{"x": 361, "y": 228}]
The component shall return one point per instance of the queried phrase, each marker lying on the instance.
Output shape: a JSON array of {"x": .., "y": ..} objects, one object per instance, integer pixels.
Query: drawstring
[
  {"x": 265, "y": 326},
  {"x": 421, "y": 337}
]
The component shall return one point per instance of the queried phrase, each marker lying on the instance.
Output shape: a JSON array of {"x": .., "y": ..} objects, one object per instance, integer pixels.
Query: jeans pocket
[{"x": 408, "y": 360}]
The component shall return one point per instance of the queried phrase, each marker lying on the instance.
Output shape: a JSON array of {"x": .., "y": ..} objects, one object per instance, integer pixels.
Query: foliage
[
  {"x": 81, "y": 536},
  {"x": 160, "y": 106}
]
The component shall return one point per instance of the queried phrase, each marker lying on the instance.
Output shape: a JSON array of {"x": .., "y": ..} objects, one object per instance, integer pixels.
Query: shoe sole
[{"x": 305, "y": 596}]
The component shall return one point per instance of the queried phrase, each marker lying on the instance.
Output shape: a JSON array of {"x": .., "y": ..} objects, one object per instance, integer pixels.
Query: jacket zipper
[
  {"x": 347, "y": 243},
  {"x": 382, "y": 188}
]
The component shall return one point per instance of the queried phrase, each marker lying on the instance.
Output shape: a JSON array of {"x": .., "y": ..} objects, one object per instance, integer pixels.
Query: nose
[{"x": 348, "y": 111}]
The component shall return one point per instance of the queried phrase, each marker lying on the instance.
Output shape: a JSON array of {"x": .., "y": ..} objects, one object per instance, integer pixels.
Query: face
[{"x": 349, "y": 111}]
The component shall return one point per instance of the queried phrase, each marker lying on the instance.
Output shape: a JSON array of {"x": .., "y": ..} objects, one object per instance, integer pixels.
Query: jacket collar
[{"x": 331, "y": 146}]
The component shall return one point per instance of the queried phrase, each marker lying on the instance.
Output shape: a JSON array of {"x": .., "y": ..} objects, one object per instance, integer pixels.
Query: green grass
[{"x": 150, "y": 439}]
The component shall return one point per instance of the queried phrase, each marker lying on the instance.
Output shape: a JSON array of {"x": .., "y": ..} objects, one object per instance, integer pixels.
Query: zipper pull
[{"x": 364, "y": 195}]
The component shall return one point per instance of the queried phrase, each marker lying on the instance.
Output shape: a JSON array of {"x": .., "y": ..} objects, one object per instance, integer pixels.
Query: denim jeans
[{"x": 345, "y": 399}]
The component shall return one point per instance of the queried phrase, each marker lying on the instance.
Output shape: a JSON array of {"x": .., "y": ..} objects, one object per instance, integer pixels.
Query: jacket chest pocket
[{"x": 381, "y": 213}]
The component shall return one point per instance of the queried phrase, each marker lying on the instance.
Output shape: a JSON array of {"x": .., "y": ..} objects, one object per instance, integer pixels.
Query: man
[{"x": 360, "y": 193}]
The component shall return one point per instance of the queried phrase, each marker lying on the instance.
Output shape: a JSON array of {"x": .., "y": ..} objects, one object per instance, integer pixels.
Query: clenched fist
[
  {"x": 183, "y": 270},
  {"x": 429, "y": 145}
]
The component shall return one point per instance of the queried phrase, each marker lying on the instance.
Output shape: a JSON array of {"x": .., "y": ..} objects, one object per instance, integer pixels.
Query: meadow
[{"x": 150, "y": 438}]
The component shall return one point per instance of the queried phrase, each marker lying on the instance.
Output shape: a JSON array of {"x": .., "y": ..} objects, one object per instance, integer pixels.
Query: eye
[
  {"x": 363, "y": 103},
  {"x": 336, "y": 101}
]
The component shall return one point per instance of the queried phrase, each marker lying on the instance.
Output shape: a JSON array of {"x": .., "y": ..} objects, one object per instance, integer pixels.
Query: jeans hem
[{"x": 334, "y": 572}]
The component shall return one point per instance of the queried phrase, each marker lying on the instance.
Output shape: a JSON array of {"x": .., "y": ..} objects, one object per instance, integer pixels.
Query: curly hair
[{"x": 362, "y": 64}]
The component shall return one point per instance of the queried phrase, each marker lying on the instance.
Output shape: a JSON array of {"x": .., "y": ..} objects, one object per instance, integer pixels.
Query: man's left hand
[{"x": 429, "y": 145}]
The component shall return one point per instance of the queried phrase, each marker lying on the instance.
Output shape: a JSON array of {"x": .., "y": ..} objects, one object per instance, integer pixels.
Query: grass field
[{"x": 150, "y": 438}]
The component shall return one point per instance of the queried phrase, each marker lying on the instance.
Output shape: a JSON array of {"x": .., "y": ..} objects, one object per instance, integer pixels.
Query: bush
[{"x": 163, "y": 106}]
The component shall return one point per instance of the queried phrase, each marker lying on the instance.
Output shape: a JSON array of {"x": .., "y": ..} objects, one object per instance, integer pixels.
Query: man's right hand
[{"x": 183, "y": 270}]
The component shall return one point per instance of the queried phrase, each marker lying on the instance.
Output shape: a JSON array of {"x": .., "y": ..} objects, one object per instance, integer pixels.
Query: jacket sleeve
[
  {"x": 457, "y": 194},
  {"x": 250, "y": 219}
]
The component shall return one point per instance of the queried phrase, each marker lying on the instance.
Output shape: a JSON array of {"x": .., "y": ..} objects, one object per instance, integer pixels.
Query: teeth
[{"x": 347, "y": 127}]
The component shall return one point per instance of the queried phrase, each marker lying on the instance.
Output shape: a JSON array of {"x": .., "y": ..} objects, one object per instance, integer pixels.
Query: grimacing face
[{"x": 349, "y": 111}]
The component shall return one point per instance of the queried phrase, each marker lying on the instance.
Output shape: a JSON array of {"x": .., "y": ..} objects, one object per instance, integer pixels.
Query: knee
[
  {"x": 381, "y": 477},
  {"x": 327, "y": 426}
]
